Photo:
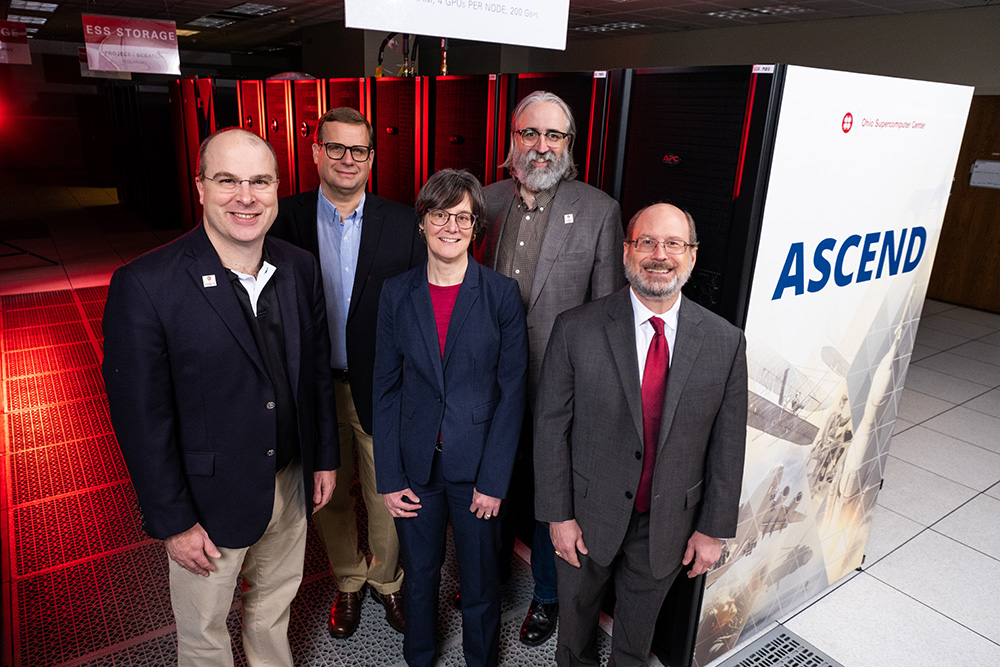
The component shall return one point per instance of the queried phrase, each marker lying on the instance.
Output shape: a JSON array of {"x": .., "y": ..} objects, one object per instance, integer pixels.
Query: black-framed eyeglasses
[
  {"x": 336, "y": 151},
  {"x": 440, "y": 218},
  {"x": 230, "y": 184},
  {"x": 647, "y": 246},
  {"x": 529, "y": 136}
]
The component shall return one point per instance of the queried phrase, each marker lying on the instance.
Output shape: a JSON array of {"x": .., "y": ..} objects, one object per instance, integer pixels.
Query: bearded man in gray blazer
[
  {"x": 559, "y": 239},
  {"x": 640, "y": 429}
]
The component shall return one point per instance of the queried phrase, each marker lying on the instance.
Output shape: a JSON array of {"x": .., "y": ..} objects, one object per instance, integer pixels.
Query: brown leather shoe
[
  {"x": 393, "y": 603},
  {"x": 345, "y": 614}
]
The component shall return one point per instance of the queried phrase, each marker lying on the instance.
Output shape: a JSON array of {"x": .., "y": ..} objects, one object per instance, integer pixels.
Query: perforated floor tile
[
  {"x": 35, "y": 317},
  {"x": 36, "y": 391},
  {"x": 43, "y": 472},
  {"x": 57, "y": 424},
  {"x": 59, "y": 531},
  {"x": 38, "y": 299},
  {"x": 44, "y": 336},
  {"x": 94, "y": 309},
  {"x": 780, "y": 648},
  {"x": 98, "y": 293},
  {"x": 49, "y": 359}
]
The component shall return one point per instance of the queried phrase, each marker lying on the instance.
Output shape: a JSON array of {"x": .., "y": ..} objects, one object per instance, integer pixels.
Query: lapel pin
[
  {"x": 208, "y": 281},
  {"x": 568, "y": 219}
]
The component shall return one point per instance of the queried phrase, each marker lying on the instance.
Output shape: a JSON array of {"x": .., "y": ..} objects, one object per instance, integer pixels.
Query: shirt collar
[
  {"x": 542, "y": 199},
  {"x": 641, "y": 314},
  {"x": 331, "y": 214}
]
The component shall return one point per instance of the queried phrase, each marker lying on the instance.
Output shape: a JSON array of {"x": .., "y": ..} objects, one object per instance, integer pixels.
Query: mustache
[
  {"x": 547, "y": 156},
  {"x": 655, "y": 264}
]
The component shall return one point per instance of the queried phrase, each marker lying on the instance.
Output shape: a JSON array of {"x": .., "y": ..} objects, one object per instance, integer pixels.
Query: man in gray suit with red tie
[
  {"x": 559, "y": 239},
  {"x": 640, "y": 429}
]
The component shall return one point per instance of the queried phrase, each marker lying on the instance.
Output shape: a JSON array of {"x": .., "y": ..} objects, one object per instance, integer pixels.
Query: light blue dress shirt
[{"x": 339, "y": 241}]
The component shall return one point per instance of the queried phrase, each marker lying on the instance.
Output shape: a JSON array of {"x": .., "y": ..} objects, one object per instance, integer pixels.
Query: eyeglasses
[
  {"x": 336, "y": 151},
  {"x": 440, "y": 218},
  {"x": 646, "y": 245},
  {"x": 230, "y": 184},
  {"x": 529, "y": 136}
]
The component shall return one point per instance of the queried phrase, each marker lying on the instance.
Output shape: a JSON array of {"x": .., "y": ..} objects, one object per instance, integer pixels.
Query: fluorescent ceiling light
[
  {"x": 610, "y": 27},
  {"x": 212, "y": 22},
  {"x": 186, "y": 33},
  {"x": 35, "y": 20},
  {"x": 254, "y": 9},
  {"x": 34, "y": 6}
]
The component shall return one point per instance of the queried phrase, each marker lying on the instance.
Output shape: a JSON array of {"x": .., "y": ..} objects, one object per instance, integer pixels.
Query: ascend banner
[
  {"x": 14, "y": 43},
  {"x": 120, "y": 44}
]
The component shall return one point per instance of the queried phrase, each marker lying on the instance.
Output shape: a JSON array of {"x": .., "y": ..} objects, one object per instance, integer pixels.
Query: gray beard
[
  {"x": 648, "y": 291},
  {"x": 537, "y": 179}
]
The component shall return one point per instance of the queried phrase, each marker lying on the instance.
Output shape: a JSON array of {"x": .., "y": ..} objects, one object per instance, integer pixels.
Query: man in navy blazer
[
  {"x": 359, "y": 240},
  {"x": 218, "y": 378}
]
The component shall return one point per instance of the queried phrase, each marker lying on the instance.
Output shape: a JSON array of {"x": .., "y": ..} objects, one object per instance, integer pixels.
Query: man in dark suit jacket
[
  {"x": 217, "y": 370},
  {"x": 560, "y": 240},
  {"x": 360, "y": 240},
  {"x": 638, "y": 477}
]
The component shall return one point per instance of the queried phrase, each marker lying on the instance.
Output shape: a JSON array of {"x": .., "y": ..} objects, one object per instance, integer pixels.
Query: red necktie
[{"x": 654, "y": 387}]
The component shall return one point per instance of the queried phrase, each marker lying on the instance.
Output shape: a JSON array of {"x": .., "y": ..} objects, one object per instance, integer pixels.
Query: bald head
[
  {"x": 661, "y": 209},
  {"x": 234, "y": 137}
]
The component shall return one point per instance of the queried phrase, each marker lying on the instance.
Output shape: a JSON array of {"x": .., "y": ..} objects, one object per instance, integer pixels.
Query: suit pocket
[
  {"x": 580, "y": 484},
  {"x": 693, "y": 495},
  {"x": 201, "y": 464},
  {"x": 407, "y": 407},
  {"x": 484, "y": 412}
]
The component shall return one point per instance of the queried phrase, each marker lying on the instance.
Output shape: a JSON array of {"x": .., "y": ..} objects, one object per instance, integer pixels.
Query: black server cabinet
[
  {"x": 462, "y": 124},
  {"x": 399, "y": 121},
  {"x": 310, "y": 103}
]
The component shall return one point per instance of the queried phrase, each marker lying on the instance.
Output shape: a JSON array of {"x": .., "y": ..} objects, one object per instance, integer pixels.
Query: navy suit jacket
[
  {"x": 389, "y": 246},
  {"x": 191, "y": 401},
  {"x": 474, "y": 397}
]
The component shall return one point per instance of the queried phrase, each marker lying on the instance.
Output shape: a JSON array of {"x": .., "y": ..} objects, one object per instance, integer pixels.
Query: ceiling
[{"x": 59, "y": 20}]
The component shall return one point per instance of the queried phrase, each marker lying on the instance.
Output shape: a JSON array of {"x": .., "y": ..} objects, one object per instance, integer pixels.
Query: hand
[
  {"x": 192, "y": 550},
  {"x": 567, "y": 538},
  {"x": 400, "y": 508},
  {"x": 484, "y": 506},
  {"x": 324, "y": 482},
  {"x": 704, "y": 551}
]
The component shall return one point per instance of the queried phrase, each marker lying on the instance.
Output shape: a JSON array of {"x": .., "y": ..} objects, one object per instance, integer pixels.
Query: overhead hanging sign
[
  {"x": 121, "y": 44},
  {"x": 14, "y": 43},
  {"x": 541, "y": 23}
]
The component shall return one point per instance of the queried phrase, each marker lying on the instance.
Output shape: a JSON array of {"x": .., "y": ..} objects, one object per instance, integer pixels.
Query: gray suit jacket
[
  {"x": 579, "y": 260},
  {"x": 588, "y": 430}
]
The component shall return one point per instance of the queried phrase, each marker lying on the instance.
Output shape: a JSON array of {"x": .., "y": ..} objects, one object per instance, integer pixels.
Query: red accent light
[{"x": 746, "y": 134}]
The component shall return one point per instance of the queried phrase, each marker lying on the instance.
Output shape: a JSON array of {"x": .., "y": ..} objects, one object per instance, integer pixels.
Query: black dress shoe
[
  {"x": 540, "y": 623},
  {"x": 393, "y": 603},
  {"x": 345, "y": 614}
]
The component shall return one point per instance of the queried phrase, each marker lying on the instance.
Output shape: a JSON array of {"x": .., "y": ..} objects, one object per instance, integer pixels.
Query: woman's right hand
[{"x": 402, "y": 504}]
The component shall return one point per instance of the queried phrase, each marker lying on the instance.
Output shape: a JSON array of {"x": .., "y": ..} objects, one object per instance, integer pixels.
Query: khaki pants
[
  {"x": 273, "y": 569},
  {"x": 337, "y": 522}
]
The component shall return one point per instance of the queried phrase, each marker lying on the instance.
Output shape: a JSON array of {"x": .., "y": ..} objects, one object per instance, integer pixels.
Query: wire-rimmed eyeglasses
[{"x": 647, "y": 245}]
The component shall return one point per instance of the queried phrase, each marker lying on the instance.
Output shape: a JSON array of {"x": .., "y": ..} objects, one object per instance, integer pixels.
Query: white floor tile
[
  {"x": 949, "y": 457},
  {"x": 920, "y": 495},
  {"x": 968, "y": 425},
  {"x": 866, "y": 623},
  {"x": 978, "y": 350},
  {"x": 931, "y": 306},
  {"x": 979, "y": 317},
  {"x": 941, "y": 322},
  {"x": 940, "y": 385},
  {"x": 937, "y": 340},
  {"x": 960, "y": 582},
  {"x": 916, "y": 407},
  {"x": 994, "y": 492},
  {"x": 900, "y": 426},
  {"x": 992, "y": 339},
  {"x": 974, "y": 370},
  {"x": 889, "y": 530},
  {"x": 975, "y": 524},
  {"x": 988, "y": 403},
  {"x": 921, "y": 352}
]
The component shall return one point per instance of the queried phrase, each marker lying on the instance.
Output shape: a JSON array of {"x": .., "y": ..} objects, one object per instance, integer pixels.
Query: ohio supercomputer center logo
[{"x": 847, "y": 123}]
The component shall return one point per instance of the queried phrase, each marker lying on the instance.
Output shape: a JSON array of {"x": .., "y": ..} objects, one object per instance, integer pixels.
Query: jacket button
[
  {"x": 270, "y": 405},
  {"x": 638, "y": 456},
  {"x": 628, "y": 494},
  {"x": 270, "y": 452}
]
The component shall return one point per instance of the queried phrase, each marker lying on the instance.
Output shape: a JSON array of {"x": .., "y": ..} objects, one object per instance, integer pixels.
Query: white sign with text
[{"x": 541, "y": 23}]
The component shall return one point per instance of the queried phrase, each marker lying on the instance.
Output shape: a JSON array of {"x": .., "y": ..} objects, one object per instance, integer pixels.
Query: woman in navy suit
[{"x": 451, "y": 358}]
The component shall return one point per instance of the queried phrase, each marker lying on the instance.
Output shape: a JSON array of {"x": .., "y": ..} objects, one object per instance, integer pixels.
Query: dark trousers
[
  {"x": 477, "y": 543},
  {"x": 639, "y": 599}
]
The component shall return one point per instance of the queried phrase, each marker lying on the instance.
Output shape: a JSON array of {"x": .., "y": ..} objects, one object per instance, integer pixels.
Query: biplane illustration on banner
[{"x": 859, "y": 181}]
